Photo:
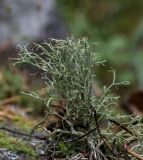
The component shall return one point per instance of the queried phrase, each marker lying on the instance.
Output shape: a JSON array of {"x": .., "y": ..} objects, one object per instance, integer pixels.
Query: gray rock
[
  {"x": 24, "y": 21},
  {"x": 8, "y": 155}
]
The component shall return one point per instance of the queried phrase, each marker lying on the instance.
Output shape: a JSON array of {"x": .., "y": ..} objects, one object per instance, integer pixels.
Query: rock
[
  {"x": 8, "y": 155},
  {"x": 25, "y": 21}
]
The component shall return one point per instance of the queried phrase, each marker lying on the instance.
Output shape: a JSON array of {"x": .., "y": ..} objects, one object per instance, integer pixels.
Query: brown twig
[
  {"x": 131, "y": 152},
  {"x": 121, "y": 126},
  {"x": 102, "y": 124},
  {"x": 80, "y": 137},
  {"x": 100, "y": 134},
  {"x": 20, "y": 133},
  {"x": 17, "y": 98},
  {"x": 9, "y": 100}
]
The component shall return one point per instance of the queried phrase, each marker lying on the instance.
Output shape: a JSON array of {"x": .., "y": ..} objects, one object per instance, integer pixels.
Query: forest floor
[
  {"x": 14, "y": 134},
  {"x": 18, "y": 115}
]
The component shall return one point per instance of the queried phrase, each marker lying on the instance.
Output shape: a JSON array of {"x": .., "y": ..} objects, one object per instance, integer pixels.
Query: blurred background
[{"x": 116, "y": 26}]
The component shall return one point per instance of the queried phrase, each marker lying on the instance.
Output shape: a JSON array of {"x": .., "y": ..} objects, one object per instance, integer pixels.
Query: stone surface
[
  {"x": 23, "y": 20},
  {"x": 8, "y": 155}
]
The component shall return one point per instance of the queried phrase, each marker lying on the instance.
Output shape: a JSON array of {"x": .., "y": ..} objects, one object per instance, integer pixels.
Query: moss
[
  {"x": 17, "y": 145},
  {"x": 22, "y": 123},
  {"x": 11, "y": 83}
]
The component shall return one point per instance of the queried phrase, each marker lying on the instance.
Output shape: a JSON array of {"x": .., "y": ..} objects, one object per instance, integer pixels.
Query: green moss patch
[
  {"x": 17, "y": 145},
  {"x": 23, "y": 123}
]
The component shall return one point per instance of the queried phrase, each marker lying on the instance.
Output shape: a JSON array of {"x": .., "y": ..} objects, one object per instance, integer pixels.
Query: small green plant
[{"x": 85, "y": 125}]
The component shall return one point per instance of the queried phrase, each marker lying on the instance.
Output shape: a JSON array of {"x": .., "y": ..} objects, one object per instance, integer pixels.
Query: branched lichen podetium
[{"x": 68, "y": 68}]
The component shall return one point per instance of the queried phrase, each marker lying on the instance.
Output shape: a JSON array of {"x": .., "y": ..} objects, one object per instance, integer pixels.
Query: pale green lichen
[{"x": 69, "y": 68}]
